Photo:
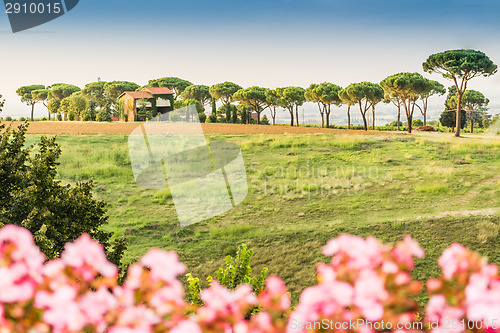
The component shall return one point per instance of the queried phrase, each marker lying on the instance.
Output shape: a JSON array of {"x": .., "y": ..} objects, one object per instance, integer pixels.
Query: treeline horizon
[{"x": 408, "y": 92}]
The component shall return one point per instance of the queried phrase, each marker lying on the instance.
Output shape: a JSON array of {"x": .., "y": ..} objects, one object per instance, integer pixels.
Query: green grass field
[{"x": 305, "y": 190}]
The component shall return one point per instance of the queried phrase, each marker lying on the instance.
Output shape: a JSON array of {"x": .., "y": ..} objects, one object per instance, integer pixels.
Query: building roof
[
  {"x": 159, "y": 90},
  {"x": 137, "y": 94}
]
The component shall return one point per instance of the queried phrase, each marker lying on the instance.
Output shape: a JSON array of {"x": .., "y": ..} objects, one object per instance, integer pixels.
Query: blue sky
[{"x": 266, "y": 43}]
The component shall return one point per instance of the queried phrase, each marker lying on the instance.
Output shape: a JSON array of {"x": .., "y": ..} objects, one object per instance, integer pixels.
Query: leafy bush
[
  {"x": 88, "y": 115},
  {"x": 103, "y": 115},
  {"x": 203, "y": 117},
  {"x": 212, "y": 118},
  {"x": 236, "y": 272},
  {"x": 264, "y": 121},
  {"x": 449, "y": 119},
  {"x": 8, "y": 118},
  {"x": 31, "y": 197},
  {"x": 417, "y": 123},
  {"x": 22, "y": 119}
]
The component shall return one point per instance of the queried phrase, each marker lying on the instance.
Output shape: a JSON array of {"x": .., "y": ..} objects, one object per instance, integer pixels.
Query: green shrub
[
  {"x": 8, "y": 118},
  {"x": 264, "y": 121},
  {"x": 203, "y": 117},
  {"x": 103, "y": 115},
  {"x": 213, "y": 118},
  {"x": 417, "y": 123},
  {"x": 236, "y": 271},
  {"x": 88, "y": 115},
  {"x": 194, "y": 291},
  {"x": 31, "y": 197}
]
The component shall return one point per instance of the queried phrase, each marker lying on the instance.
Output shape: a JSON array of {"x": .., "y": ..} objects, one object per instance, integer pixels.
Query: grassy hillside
[{"x": 306, "y": 189}]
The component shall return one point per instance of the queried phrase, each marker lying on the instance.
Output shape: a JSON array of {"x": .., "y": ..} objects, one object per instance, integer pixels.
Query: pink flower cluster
[
  {"x": 366, "y": 282},
  {"x": 79, "y": 293},
  {"x": 466, "y": 298}
]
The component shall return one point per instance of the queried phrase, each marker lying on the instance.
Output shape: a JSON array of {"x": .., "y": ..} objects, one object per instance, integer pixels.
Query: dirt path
[
  {"x": 464, "y": 213},
  {"x": 54, "y": 127}
]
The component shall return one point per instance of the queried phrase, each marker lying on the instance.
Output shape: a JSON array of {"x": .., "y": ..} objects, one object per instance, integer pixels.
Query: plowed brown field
[{"x": 48, "y": 127}]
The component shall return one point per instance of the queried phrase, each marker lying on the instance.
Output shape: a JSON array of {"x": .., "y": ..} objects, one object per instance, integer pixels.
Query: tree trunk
[
  {"x": 328, "y": 116},
  {"x": 459, "y": 113},
  {"x": 399, "y": 115},
  {"x": 373, "y": 115},
  {"x": 291, "y": 117},
  {"x": 322, "y": 120},
  {"x": 297, "y": 115},
  {"x": 273, "y": 114},
  {"x": 348, "y": 117},
  {"x": 258, "y": 118},
  {"x": 363, "y": 116},
  {"x": 471, "y": 123},
  {"x": 48, "y": 113},
  {"x": 32, "y": 111},
  {"x": 410, "y": 120},
  {"x": 424, "y": 113},
  {"x": 364, "y": 121}
]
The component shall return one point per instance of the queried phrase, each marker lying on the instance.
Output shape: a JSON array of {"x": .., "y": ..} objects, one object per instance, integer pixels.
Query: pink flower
[
  {"x": 405, "y": 251},
  {"x": 95, "y": 305},
  {"x": 438, "y": 311},
  {"x": 402, "y": 278},
  {"x": 263, "y": 321},
  {"x": 164, "y": 266},
  {"x": 389, "y": 267},
  {"x": 483, "y": 298},
  {"x": 275, "y": 285},
  {"x": 275, "y": 295},
  {"x": 434, "y": 284},
  {"x": 435, "y": 307},
  {"x": 361, "y": 253},
  {"x": 88, "y": 258},
  {"x": 135, "y": 319},
  {"x": 25, "y": 248},
  {"x": 186, "y": 327},
  {"x": 168, "y": 299},
  {"x": 369, "y": 295},
  {"x": 220, "y": 302},
  {"x": 61, "y": 309},
  {"x": 21, "y": 264},
  {"x": 13, "y": 287},
  {"x": 453, "y": 260}
]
